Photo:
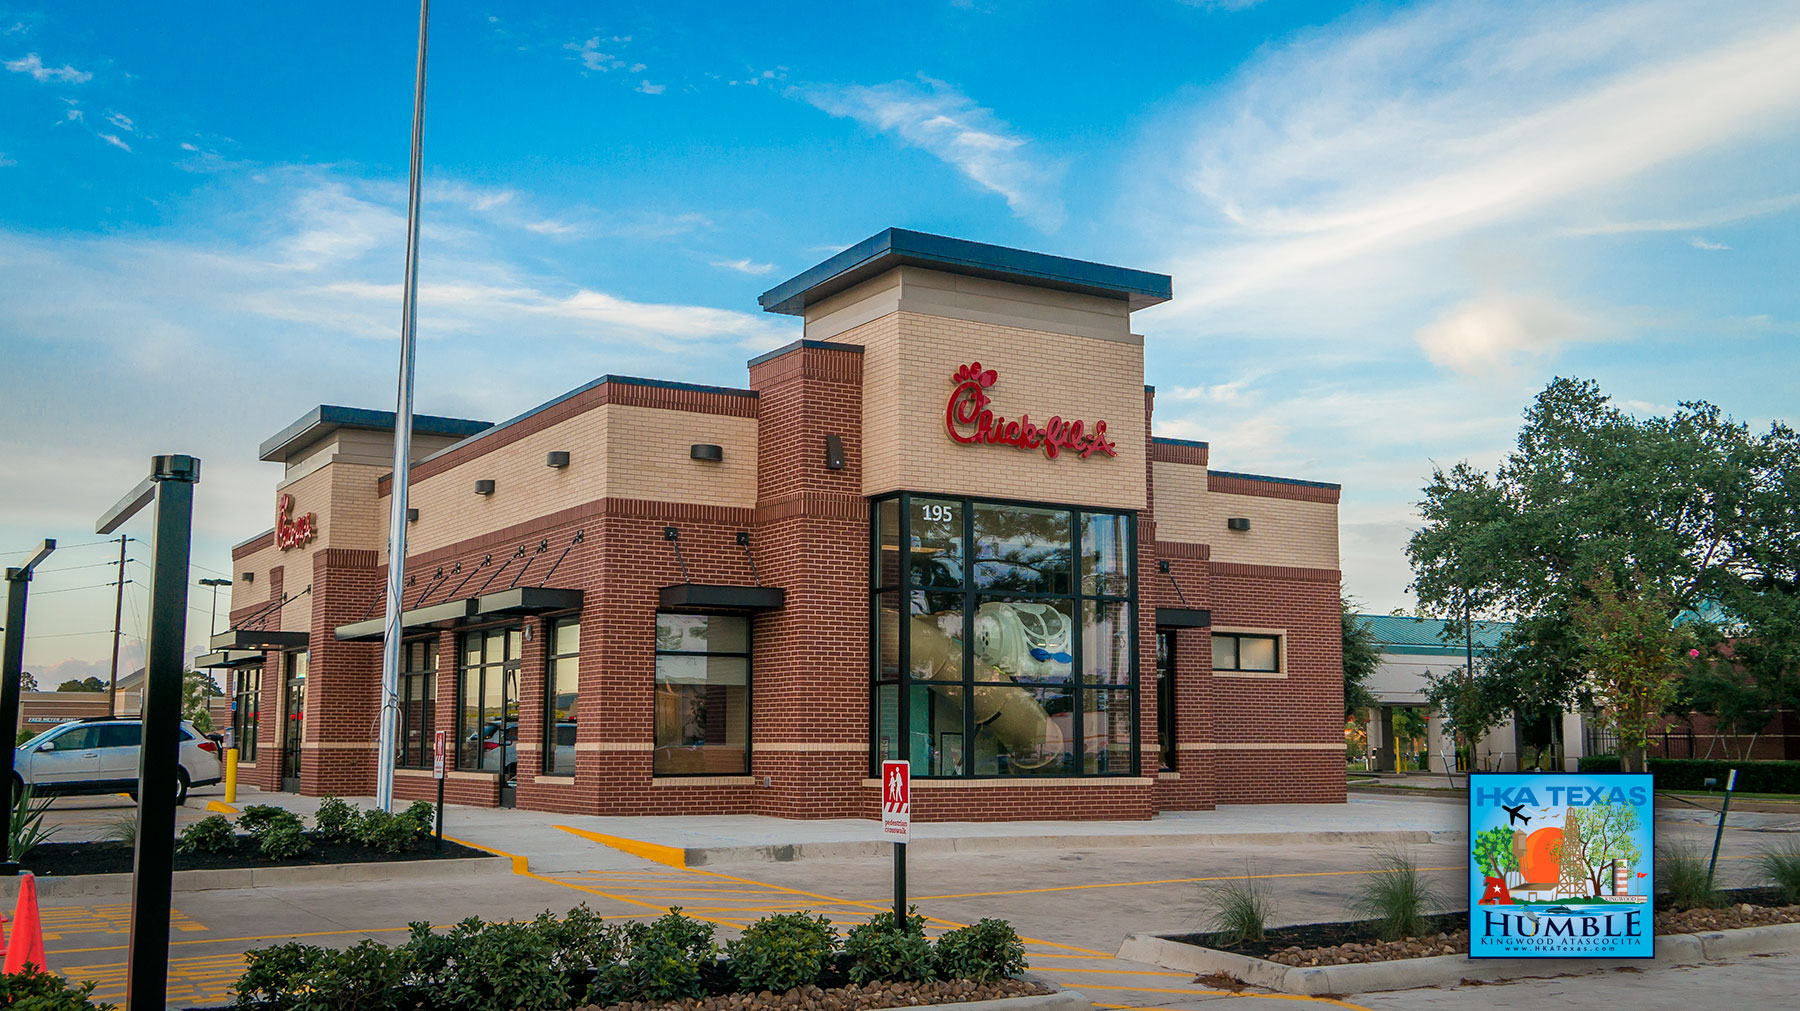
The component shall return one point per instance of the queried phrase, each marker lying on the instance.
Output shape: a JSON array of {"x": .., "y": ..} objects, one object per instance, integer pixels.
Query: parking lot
[{"x": 1074, "y": 906}]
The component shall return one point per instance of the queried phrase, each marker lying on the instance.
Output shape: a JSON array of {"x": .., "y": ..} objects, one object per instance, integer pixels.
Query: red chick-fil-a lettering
[
  {"x": 291, "y": 531},
  {"x": 969, "y": 421}
]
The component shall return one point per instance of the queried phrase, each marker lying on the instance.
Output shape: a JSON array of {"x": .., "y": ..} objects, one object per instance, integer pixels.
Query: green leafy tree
[
  {"x": 1633, "y": 656},
  {"x": 1494, "y": 852},
  {"x": 28, "y": 682},
  {"x": 86, "y": 684},
  {"x": 1361, "y": 659},
  {"x": 1691, "y": 510},
  {"x": 197, "y": 688}
]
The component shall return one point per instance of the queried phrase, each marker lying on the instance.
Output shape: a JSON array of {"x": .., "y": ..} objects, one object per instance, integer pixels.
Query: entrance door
[
  {"x": 489, "y": 707},
  {"x": 293, "y": 720}
]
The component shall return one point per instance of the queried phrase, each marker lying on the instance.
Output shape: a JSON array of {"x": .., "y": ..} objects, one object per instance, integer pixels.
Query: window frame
[
  {"x": 1168, "y": 756},
  {"x": 1077, "y": 598},
  {"x": 553, "y": 630},
  {"x": 749, "y": 688},
  {"x": 1278, "y": 635},
  {"x": 485, "y": 668},
  {"x": 423, "y": 756},
  {"x": 246, "y": 711}
]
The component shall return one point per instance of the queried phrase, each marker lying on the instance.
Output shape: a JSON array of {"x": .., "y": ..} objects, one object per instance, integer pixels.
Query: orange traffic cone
[{"x": 27, "y": 947}]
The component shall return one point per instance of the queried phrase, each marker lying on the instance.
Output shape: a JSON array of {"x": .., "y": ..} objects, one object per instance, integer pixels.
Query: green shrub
[
  {"x": 421, "y": 816},
  {"x": 1396, "y": 896},
  {"x": 27, "y": 823},
  {"x": 1692, "y": 773},
  {"x": 36, "y": 989},
  {"x": 668, "y": 958},
  {"x": 212, "y": 834},
  {"x": 875, "y": 951},
  {"x": 590, "y": 953},
  {"x": 1780, "y": 866},
  {"x": 123, "y": 828},
  {"x": 782, "y": 952},
  {"x": 335, "y": 820},
  {"x": 983, "y": 952},
  {"x": 274, "y": 977},
  {"x": 283, "y": 841},
  {"x": 388, "y": 833},
  {"x": 256, "y": 817},
  {"x": 1238, "y": 910},
  {"x": 1682, "y": 872}
]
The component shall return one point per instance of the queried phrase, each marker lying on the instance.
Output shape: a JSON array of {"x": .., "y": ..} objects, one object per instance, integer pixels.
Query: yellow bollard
[{"x": 230, "y": 775}]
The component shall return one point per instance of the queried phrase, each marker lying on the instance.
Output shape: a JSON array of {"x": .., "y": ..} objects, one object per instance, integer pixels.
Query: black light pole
[
  {"x": 171, "y": 487},
  {"x": 12, "y": 668}
]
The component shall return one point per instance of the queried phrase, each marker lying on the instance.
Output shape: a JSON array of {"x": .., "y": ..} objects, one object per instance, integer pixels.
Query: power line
[
  {"x": 72, "y": 568},
  {"x": 70, "y": 547},
  {"x": 65, "y": 635},
  {"x": 72, "y": 589}
]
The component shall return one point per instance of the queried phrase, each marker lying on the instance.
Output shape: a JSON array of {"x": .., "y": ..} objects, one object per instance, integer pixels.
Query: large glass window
[
  {"x": 246, "y": 704},
  {"x": 1165, "y": 697},
  {"x": 1237, "y": 652},
  {"x": 702, "y": 695},
  {"x": 1004, "y": 638},
  {"x": 487, "y": 710},
  {"x": 562, "y": 687},
  {"x": 418, "y": 695}
]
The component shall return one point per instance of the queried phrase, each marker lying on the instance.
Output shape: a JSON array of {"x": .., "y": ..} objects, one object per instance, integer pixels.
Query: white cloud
[
  {"x": 32, "y": 64},
  {"x": 121, "y": 121},
  {"x": 590, "y": 55},
  {"x": 937, "y": 118},
  {"x": 6, "y": 162},
  {"x": 1700, "y": 243},
  {"x": 651, "y": 89},
  {"x": 114, "y": 141},
  {"x": 745, "y": 266},
  {"x": 1487, "y": 334}
]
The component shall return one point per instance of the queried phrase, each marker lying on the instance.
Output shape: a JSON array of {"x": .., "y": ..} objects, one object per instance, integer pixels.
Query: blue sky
[{"x": 1388, "y": 224}]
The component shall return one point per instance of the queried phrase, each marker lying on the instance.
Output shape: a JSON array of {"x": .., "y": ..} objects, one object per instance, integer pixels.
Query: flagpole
[{"x": 396, "y": 574}]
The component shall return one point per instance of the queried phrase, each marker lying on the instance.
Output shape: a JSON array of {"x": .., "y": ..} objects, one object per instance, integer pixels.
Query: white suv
[{"x": 100, "y": 755}]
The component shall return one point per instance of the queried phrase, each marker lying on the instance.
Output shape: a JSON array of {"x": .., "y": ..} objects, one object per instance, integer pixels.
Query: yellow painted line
[
  {"x": 522, "y": 868},
  {"x": 1219, "y": 993},
  {"x": 520, "y": 864},
  {"x": 232, "y": 940},
  {"x": 1124, "y": 972},
  {"x": 667, "y": 855},
  {"x": 1170, "y": 881},
  {"x": 220, "y": 807}
]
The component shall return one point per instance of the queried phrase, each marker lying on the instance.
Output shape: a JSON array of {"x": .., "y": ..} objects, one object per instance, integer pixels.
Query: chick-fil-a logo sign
[
  {"x": 967, "y": 418},
  {"x": 291, "y": 531}
]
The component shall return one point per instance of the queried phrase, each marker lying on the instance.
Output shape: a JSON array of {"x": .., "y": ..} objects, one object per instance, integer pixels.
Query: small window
[
  {"x": 1237, "y": 652},
  {"x": 78, "y": 739},
  {"x": 562, "y": 690},
  {"x": 702, "y": 695},
  {"x": 121, "y": 735}
]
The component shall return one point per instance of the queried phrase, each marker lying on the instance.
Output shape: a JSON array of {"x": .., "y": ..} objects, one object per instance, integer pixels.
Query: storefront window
[
  {"x": 246, "y": 705},
  {"x": 1165, "y": 697},
  {"x": 487, "y": 711},
  {"x": 418, "y": 694},
  {"x": 995, "y": 625},
  {"x": 562, "y": 685},
  {"x": 702, "y": 695}
]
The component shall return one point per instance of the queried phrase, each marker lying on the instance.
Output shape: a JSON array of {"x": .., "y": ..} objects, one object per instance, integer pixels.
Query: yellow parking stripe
[{"x": 668, "y": 855}]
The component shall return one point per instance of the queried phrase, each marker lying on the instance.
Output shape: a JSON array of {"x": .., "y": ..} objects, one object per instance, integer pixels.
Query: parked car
[
  {"x": 100, "y": 755},
  {"x": 500, "y": 746}
]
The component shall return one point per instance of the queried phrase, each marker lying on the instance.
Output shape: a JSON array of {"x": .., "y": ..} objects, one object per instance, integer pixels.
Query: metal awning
[
  {"x": 251, "y": 638},
  {"x": 516, "y": 601},
  {"x": 230, "y": 658},
  {"x": 715, "y": 597},
  {"x": 1183, "y": 617}
]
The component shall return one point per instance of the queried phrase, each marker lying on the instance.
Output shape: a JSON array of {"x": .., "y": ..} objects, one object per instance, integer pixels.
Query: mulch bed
[
  {"x": 1344, "y": 943},
  {"x": 68, "y": 859},
  {"x": 846, "y": 998}
]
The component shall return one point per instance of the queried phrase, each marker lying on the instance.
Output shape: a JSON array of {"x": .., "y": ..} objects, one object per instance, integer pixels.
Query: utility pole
[{"x": 112, "y": 693}]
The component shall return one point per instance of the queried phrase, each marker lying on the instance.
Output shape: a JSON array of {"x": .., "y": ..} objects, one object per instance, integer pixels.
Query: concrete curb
[
  {"x": 1440, "y": 970},
  {"x": 697, "y": 856},
  {"x": 106, "y": 885},
  {"x": 1064, "y": 999}
]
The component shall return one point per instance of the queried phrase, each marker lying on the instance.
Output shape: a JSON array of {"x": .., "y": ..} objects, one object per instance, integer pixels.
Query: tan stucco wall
[
  {"x": 908, "y": 363},
  {"x": 615, "y": 451},
  {"x": 257, "y": 590},
  {"x": 1282, "y": 531},
  {"x": 975, "y": 299}
]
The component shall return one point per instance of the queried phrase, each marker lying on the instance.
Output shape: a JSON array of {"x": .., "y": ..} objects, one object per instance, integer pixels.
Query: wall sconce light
[
  {"x": 834, "y": 453},
  {"x": 247, "y": 577},
  {"x": 412, "y": 515},
  {"x": 484, "y": 487},
  {"x": 1238, "y": 523},
  {"x": 1162, "y": 565},
  {"x": 558, "y": 458},
  {"x": 706, "y": 451}
]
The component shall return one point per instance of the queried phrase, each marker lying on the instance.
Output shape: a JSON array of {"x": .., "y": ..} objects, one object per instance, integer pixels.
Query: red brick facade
[{"x": 1240, "y": 739}]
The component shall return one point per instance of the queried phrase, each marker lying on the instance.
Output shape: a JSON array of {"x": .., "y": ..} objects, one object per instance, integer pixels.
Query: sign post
[
  {"x": 437, "y": 772},
  {"x": 896, "y": 826}
]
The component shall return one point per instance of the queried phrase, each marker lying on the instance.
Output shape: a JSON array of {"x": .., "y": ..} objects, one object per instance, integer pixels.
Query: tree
[
  {"x": 1692, "y": 511},
  {"x": 28, "y": 682},
  {"x": 1607, "y": 836},
  {"x": 1409, "y": 725},
  {"x": 87, "y": 684},
  {"x": 1361, "y": 659},
  {"x": 1495, "y": 853},
  {"x": 197, "y": 687},
  {"x": 1633, "y": 656}
]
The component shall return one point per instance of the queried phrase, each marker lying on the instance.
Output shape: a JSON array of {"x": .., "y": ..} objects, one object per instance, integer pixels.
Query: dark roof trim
[
  {"x": 250, "y": 638},
  {"x": 322, "y": 420},
  {"x": 229, "y": 658},
  {"x": 720, "y": 598},
  {"x": 894, "y": 247},
  {"x": 1274, "y": 480},
  {"x": 797, "y": 345},
  {"x": 579, "y": 390},
  {"x": 516, "y": 601},
  {"x": 1183, "y": 617},
  {"x": 1165, "y": 440}
]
